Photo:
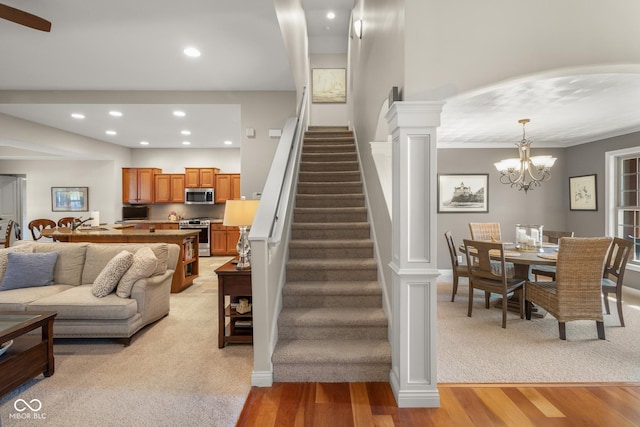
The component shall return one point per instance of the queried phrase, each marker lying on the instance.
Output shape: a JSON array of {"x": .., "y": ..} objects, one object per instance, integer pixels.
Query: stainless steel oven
[{"x": 204, "y": 225}]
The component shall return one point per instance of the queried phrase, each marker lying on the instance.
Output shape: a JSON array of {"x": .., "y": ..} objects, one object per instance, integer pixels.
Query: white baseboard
[{"x": 262, "y": 379}]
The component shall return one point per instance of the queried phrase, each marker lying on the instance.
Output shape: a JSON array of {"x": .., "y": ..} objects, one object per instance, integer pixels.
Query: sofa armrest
[{"x": 152, "y": 295}]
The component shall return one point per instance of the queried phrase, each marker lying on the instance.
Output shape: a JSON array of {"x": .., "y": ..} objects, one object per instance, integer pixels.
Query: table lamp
[{"x": 240, "y": 213}]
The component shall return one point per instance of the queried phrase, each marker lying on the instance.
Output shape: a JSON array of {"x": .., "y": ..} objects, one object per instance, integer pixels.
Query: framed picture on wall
[
  {"x": 582, "y": 190},
  {"x": 463, "y": 193},
  {"x": 69, "y": 199},
  {"x": 329, "y": 85}
]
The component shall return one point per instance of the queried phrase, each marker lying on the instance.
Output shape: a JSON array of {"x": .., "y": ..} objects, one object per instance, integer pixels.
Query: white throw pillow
[
  {"x": 111, "y": 274},
  {"x": 144, "y": 264}
]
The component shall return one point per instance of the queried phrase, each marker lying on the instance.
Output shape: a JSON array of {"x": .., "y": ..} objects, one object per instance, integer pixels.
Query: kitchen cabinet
[
  {"x": 224, "y": 240},
  {"x": 138, "y": 185},
  {"x": 227, "y": 187},
  {"x": 169, "y": 188},
  {"x": 200, "y": 177}
]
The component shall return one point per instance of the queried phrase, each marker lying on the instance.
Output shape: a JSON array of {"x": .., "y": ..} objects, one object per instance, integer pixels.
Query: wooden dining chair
[
  {"x": 613, "y": 276},
  {"x": 483, "y": 276},
  {"x": 458, "y": 268},
  {"x": 489, "y": 231},
  {"x": 8, "y": 235},
  {"x": 576, "y": 292},
  {"x": 550, "y": 236},
  {"x": 68, "y": 221},
  {"x": 37, "y": 225}
]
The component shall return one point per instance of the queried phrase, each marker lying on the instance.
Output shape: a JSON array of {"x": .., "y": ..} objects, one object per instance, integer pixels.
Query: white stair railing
[{"x": 269, "y": 250}]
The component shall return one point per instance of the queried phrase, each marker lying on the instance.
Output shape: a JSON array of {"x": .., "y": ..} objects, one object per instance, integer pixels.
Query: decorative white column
[{"x": 413, "y": 259}]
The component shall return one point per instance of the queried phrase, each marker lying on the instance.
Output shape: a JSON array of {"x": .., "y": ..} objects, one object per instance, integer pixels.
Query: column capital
[{"x": 414, "y": 114}]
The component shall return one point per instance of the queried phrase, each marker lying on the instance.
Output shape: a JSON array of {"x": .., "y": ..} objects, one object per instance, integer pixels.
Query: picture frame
[
  {"x": 69, "y": 199},
  {"x": 583, "y": 193},
  {"x": 463, "y": 193},
  {"x": 329, "y": 85}
]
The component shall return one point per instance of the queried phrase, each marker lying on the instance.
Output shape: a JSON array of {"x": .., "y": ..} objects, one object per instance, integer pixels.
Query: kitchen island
[{"x": 188, "y": 265}]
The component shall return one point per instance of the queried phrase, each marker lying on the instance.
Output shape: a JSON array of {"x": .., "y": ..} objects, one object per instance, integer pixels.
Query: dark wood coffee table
[{"x": 29, "y": 355}]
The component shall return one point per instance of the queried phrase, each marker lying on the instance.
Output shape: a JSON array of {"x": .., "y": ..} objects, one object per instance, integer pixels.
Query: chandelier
[{"x": 525, "y": 172}]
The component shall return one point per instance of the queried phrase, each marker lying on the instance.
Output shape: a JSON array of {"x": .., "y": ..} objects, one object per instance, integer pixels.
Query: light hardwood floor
[{"x": 373, "y": 404}]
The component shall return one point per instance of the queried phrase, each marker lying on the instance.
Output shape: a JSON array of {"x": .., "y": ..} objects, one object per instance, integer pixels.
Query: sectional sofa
[{"x": 71, "y": 289}]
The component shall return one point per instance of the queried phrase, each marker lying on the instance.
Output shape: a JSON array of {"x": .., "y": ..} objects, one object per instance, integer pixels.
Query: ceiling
[{"x": 137, "y": 46}]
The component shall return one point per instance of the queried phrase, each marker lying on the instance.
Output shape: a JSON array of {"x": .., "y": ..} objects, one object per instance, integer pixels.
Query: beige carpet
[
  {"x": 477, "y": 349},
  {"x": 172, "y": 373}
]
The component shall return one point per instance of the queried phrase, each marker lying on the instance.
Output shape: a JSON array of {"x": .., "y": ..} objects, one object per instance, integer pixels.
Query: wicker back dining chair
[
  {"x": 485, "y": 231},
  {"x": 576, "y": 292},
  {"x": 458, "y": 268},
  {"x": 549, "y": 270},
  {"x": 613, "y": 275},
  {"x": 37, "y": 225},
  {"x": 483, "y": 275}
]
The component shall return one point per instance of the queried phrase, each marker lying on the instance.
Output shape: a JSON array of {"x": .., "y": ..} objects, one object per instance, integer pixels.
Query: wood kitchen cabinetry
[
  {"x": 138, "y": 185},
  {"x": 169, "y": 188},
  {"x": 227, "y": 187},
  {"x": 200, "y": 177},
  {"x": 224, "y": 240}
]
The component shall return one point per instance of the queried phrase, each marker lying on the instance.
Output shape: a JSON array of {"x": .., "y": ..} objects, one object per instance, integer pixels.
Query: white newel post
[{"x": 413, "y": 260}]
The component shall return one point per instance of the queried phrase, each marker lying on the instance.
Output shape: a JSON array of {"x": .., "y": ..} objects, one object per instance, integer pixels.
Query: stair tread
[
  {"x": 344, "y": 225},
  {"x": 338, "y": 287},
  {"x": 332, "y": 351},
  {"x": 335, "y": 243},
  {"x": 332, "y": 263}
]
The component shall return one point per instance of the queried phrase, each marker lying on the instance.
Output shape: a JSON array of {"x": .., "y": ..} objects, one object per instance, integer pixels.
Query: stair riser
[
  {"x": 329, "y": 157},
  {"x": 331, "y": 301},
  {"x": 330, "y": 234},
  {"x": 315, "y": 372},
  {"x": 328, "y": 148},
  {"x": 330, "y": 217},
  {"x": 328, "y": 166},
  {"x": 329, "y": 176},
  {"x": 329, "y": 201},
  {"x": 331, "y": 253},
  {"x": 320, "y": 333},
  {"x": 337, "y": 188},
  {"x": 323, "y": 274}
]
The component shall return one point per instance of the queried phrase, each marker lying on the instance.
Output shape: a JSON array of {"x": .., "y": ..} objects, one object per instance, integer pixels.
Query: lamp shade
[{"x": 240, "y": 213}]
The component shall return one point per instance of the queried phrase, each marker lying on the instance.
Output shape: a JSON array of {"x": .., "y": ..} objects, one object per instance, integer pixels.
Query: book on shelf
[{"x": 243, "y": 324}]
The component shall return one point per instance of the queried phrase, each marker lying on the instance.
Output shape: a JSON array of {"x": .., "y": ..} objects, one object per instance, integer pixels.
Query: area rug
[
  {"x": 477, "y": 349},
  {"x": 172, "y": 373}
]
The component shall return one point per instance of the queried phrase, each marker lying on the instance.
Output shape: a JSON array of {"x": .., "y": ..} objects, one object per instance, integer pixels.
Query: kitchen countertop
[
  {"x": 66, "y": 234},
  {"x": 160, "y": 221}
]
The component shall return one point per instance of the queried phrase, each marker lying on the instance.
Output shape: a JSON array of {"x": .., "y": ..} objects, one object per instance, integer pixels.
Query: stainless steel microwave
[{"x": 198, "y": 196}]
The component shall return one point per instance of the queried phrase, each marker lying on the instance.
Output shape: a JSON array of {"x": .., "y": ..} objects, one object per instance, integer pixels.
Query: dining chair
[
  {"x": 8, "y": 234},
  {"x": 576, "y": 292},
  {"x": 68, "y": 221},
  {"x": 483, "y": 276},
  {"x": 37, "y": 225},
  {"x": 549, "y": 270},
  {"x": 458, "y": 268},
  {"x": 485, "y": 231},
  {"x": 613, "y": 275}
]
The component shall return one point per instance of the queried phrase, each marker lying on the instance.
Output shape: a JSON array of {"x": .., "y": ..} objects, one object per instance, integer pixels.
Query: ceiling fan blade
[{"x": 23, "y": 18}]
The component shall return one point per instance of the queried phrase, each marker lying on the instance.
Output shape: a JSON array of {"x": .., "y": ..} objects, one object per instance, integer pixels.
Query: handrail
[{"x": 278, "y": 186}]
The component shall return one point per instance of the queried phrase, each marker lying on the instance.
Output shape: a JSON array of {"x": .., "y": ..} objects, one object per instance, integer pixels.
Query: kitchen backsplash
[{"x": 162, "y": 211}]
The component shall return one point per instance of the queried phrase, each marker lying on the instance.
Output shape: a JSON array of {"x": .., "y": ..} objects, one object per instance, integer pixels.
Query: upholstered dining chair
[
  {"x": 68, "y": 221},
  {"x": 37, "y": 225},
  {"x": 613, "y": 275},
  {"x": 485, "y": 231},
  {"x": 459, "y": 269},
  {"x": 483, "y": 275},
  {"x": 576, "y": 292},
  {"x": 549, "y": 270}
]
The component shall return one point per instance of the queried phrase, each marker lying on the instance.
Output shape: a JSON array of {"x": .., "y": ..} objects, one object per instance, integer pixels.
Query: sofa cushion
[
  {"x": 99, "y": 254},
  {"x": 111, "y": 274},
  {"x": 144, "y": 263},
  {"x": 18, "y": 299},
  {"x": 25, "y": 270},
  {"x": 70, "y": 262},
  {"x": 79, "y": 303},
  {"x": 3, "y": 256}
]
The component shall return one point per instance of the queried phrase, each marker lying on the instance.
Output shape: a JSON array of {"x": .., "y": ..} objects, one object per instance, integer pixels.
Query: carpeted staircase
[{"x": 332, "y": 327}]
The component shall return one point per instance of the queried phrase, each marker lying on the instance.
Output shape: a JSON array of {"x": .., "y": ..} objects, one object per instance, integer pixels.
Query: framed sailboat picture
[
  {"x": 463, "y": 193},
  {"x": 329, "y": 85}
]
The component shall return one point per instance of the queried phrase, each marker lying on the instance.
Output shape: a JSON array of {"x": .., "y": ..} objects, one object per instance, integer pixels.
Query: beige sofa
[{"x": 80, "y": 313}]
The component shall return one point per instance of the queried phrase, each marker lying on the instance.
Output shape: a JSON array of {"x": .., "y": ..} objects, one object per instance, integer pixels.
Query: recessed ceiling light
[
  {"x": 111, "y": 132},
  {"x": 144, "y": 142},
  {"x": 186, "y": 132},
  {"x": 331, "y": 15},
  {"x": 179, "y": 113},
  {"x": 192, "y": 52},
  {"x": 115, "y": 113},
  {"x": 228, "y": 143},
  {"x": 77, "y": 115},
  {"x": 186, "y": 143}
]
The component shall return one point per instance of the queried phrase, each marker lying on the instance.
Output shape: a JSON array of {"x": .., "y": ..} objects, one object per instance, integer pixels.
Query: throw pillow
[
  {"x": 25, "y": 270},
  {"x": 144, "y": 263},
  {"x": 111, "y": 274},
  {"x": 5, "y": 251}
]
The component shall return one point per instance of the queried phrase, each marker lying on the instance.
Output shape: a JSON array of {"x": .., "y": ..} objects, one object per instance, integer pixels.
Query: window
[{"x": 623, "y": 196}]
